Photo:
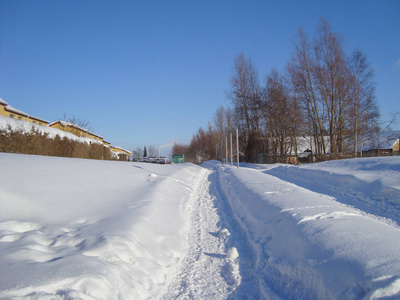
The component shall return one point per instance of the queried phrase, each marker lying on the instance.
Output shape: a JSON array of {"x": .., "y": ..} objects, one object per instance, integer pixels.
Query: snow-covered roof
[
  {"x": 387, "y": 140},
  {"x": 9, "y": 108},
  {"x": 3, "y": 102},
  {"x": 122, "y": 149},
  {"x": 305, "y": 144},
  {"x": 65, "y": 123},
  {"x": 11, "y": 125},
  {"x": 15, "y": 110},
  {"x": 304, "y": 154}
]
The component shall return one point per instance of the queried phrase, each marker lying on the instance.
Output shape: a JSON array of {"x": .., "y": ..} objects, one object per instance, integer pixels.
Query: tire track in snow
[
  {"x": 252, "y": 285},
  {"x": 206, "y": 272}
]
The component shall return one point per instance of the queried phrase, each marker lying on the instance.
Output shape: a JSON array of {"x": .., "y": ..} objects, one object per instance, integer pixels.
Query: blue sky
[{"x": 148, "y": 72}]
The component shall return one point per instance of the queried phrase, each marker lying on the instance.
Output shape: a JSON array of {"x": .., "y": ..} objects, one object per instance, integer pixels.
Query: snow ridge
[
  {"x": 262, "y": 278},
  {"x": 306, "y": 244}
]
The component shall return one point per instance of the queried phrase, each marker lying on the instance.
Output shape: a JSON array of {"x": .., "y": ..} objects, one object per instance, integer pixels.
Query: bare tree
[
  {"x": 276, "y": 109},
  {"x": 296, "y": 114},
  {"x": 181, "y": 149},
  {"x": 152, "y": 151},
  {"x": 202, "y": 145},
  {"x": 229, "y": 120},
  {"x": 321, "y": 95},
  {"x": 137, "y": 153},
  {"x": 83, "y": 123},
  {"x": 364, "y": 111},
  {"x": 245, "y": 95},
  {"x": 333, "y": 83},
  {"x": 223, "y": 122},
  {"x": 324, "y": 86},
  {"x": 220, "y": 123},
  {"x": 302, "y": 77}
]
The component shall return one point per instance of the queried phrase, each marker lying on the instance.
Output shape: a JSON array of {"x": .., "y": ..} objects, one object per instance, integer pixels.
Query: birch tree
[
  {"x": 364, "y": 112},
  {"x": 332, "y": 82},
  {"x": 245, "y": 95},
  {"x": 301, "y": 71}
]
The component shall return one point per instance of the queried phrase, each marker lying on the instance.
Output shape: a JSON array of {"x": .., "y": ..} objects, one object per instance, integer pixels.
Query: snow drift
[{"x": 90, "y": 229}]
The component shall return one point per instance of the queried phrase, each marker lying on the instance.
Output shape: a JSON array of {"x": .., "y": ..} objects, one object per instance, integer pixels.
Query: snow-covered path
[
  {"x": 251, "y": 285},
  {"x": 207, "y": 272},
  {"x": 82, "y": 229}
]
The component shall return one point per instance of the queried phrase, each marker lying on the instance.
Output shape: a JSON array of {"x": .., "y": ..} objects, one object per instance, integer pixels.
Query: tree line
[
  {"x": 323, "y": 95},
  {"x": 139, "y": 153}
]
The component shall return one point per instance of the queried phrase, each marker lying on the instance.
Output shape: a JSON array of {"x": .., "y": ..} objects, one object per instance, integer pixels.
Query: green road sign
[{"x": 178, "y": 158}]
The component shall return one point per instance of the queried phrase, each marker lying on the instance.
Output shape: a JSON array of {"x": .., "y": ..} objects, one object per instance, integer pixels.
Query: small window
[
  {"x": 40, "y": 124},
  {"x": 11, "y": 116},
  {"x": 34, "y": 122},
  {"x": 19, "y": 118}
]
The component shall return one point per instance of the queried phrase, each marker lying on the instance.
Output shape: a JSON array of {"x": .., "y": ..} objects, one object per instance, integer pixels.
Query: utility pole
[
  {"x": 231, "y": 151},
  {"x": 237, "y": 146},
  {"x": 226, "y": 149},
  {"x": 222, "y": 151},
  {"x": 356, "y": 121}
]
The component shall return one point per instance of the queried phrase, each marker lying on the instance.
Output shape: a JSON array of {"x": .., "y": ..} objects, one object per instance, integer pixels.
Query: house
[
  {"x": 396, "y": 147},
  {"x": 386, "y": 144},
  {"x": 120, "y": 151},
  {"x": 83, "y": 132},
  {"x": 305, "y": 152},
  {"x": 10, "y": 112},
  {"x": 75, "y": 129}
]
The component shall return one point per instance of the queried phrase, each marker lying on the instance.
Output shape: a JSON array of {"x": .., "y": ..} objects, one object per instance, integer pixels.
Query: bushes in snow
[{"x": 40, "y": 143}]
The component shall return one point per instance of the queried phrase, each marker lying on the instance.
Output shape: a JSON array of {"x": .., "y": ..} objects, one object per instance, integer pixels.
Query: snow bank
[
  {"x": 369, "y": 184},
  {"x": 307, "y": 244},
  {"x": 383, "y": 169},
  {"x": 73, "y": 228}
]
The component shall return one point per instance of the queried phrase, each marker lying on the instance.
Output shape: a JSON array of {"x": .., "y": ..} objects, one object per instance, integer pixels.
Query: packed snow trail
[
  {"x": 251, "y": 285},
  {"x": 209, "y": 271}
]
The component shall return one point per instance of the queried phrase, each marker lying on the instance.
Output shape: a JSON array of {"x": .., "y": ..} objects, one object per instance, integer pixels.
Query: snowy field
[{"x": 86, "y": 229}]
